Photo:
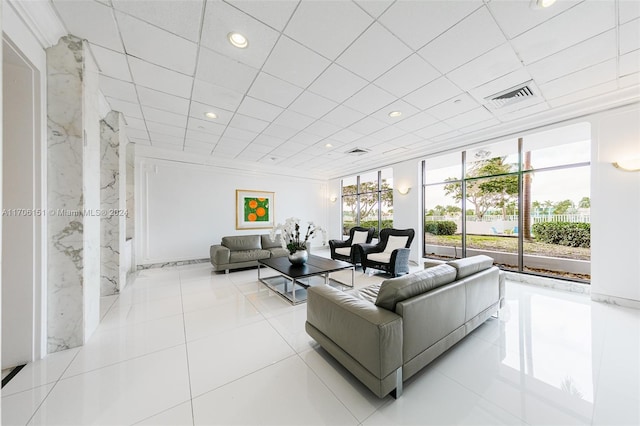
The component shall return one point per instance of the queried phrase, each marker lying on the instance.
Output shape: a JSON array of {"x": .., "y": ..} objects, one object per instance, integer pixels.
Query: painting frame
[{"x": 254, "y": 209}]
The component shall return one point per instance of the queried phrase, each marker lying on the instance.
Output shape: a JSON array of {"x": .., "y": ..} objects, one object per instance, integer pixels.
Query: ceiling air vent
[
  {"x": 511, "y": 96},
  {"x": 357, "y": 151}
]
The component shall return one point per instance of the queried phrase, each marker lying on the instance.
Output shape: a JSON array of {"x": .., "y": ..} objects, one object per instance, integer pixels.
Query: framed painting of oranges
[{"x": 254, "y": 209}]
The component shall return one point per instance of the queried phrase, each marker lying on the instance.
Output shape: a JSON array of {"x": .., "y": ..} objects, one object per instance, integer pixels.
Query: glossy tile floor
[{"x": 183, "y": 346}]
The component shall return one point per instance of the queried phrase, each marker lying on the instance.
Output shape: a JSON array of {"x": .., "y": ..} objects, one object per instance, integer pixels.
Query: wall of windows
[
  {"x": 524, "y": 201},
  {"x": 367, "y": 200}
]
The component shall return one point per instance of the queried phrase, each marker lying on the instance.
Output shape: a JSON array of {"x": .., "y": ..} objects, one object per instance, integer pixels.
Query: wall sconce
[
  {"x": 404, "y": 190},
  {"x": 333, "y": 198},
  {"x": 629, "y": 165}
]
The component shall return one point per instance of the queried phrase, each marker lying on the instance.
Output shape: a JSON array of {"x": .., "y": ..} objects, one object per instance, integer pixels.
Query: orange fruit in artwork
[
  {"x": 261, "y": 211},
  {"x": 253, "y": 204},
  {"x": 261, "y": 199},
  {"x": 252, "y": 217}
]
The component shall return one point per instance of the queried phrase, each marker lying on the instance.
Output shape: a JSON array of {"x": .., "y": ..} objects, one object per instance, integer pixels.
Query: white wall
[
  {"x": 615, "y": 208},
  {"x": 407, "y": 208},
  {"x": 182, "y": 209}
]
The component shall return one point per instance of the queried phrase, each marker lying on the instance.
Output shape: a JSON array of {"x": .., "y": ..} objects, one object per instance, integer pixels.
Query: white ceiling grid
[{"x": 320, "y": 77}]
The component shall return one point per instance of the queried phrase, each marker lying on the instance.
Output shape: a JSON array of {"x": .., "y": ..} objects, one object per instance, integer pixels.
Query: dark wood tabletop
[{"x": 315, "y": 265}]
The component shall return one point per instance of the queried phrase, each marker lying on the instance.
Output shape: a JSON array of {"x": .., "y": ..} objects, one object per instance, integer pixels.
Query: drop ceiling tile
[
  {"x": 327, "y": 30},
  {"x": 630, "y": 36},
  {"x": 222, "y": 19},
  {"x": 118, "y": 89},
  {"x": 111, "y": 63},
  {"x": 575, "y": 58},
  {"x": 90, "y": 20},
  {"x": 419, "y": 22},
  {"x": 294, "y": 63},
  {"x": 322, "y": 128},
  {"x": 630, "y": 63},
  {"x": 158, "y": 78},
  {"x": 446, "y": 136},
  {"x": 516, "y": 17},
  {"x": 176, "y": 16},
  {"x": 337, "y": 83},
  {"x": 164, "y": 129},
  {"x": 259, "y": 148},
  {"x": 476, "y": 34},
  {"x": 273, "y": 90},
  {"x": 205, "y": 126},
  {"x": 172, "y": 146},
  {"x": 293, "y": 120},
  {"x": 259, "y": 109},
  {"x": 388, "y": 133},
  {"x": 525, "y": 112},
  {"x": 312, "y": 105},
  {"x": 287, "y": 149},
  {"x": 369, "y": 99},
  {"x": 267, "y": 140},
  {"x": 367, "y": 125},
  {"x": 468, "y": 118},
  {"x": 281, "y": 132},
  {"x": 407, "y": 76},
  {"x": 432, "y": 93},
  {"x": 164, "y": 139},
  {"x": 217, "y": 69},
  {"x": 217, "y": 96},
  {"x": 135, "y": 123},
  {"x": 454, "y": 106},
  {"x": 198, "y": 110},
  {"x": 491, "y": 65},
  {"x": 403, "y": 140},
  {"x": 406, "y": 109},
  {"x": 231, "y": 144},
  {"x": 304, "y": 138},
  {"x": 628, "y": 10},
  {"x": 416, "y": 122},
  {"x": 373, "y": 53},
  {"x": 164, "y": 117},
  {"x": 580, "y": 80},
  {"x": 129, "y": 109},
  {"x": 137, "y": 134},
  {"x": 157, "y": 46},
  {"x": 343, "y": 116},
  {"x": 434, "y": 130},
  {"x": 249, "y": 155},
  {"x": 163, "y": 101},
  {"x": 208, "y": 138},
  {"x": 239, "y": 134},
  {"x": 581, "y": 22},
  {"x": 374, "y": 8},
  {"x": 581, "y": 95},
  {"x": 629, "y": 80},
  {"x": 245, "y": 122},
  {"x": 275, "y": 13},
  {"x": 139, "y": 141}
]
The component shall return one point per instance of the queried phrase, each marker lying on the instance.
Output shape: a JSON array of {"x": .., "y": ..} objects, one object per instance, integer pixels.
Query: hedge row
[
  {"x": 564, "y": 233},
  {"x": 387, "y": 223},
  {"x": 440, "y": 227}
]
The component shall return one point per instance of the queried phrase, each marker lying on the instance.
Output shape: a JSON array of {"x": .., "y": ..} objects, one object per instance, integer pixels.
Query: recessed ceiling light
[
  {"x": 328, "y": 145},
  {"x": 394, "y": 114},
  {"x": 211, "y": 115},
  {"x": 238, "y": 40},
  {"x": 541, "y": 4}
]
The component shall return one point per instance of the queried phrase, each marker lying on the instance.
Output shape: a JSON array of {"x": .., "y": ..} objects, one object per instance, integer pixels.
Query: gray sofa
[
  {"x": 243, "y": 251},
  {"x": 385, "y": 333}
]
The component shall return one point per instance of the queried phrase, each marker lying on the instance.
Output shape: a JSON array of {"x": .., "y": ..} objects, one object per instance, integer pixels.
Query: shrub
[
  {"x": 440, "y": 227},
  {"x": 386, "y": 223},
  {"x": 563, "y": 233}
]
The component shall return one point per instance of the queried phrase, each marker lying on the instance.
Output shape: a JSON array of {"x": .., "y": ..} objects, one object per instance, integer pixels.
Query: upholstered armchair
[
  {"x": 391, "y": 254},
  {"x": 347, "y": 250}
]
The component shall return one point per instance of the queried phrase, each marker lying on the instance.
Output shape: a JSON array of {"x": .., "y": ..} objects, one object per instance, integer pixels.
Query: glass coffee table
[{"x": 293, "y": 281}]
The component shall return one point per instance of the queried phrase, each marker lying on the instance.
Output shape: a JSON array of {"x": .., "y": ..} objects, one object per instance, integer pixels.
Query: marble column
[
  {"x": 112, "y": 203},
  {"x": 73, "y": 195}
]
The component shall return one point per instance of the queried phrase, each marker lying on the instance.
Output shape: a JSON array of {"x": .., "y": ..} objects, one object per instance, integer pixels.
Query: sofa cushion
[
  {"x": 368, "y": 294},
  {"x": 471, "y": 265},
  {"x": 381, "y": 257},
  {"x": 395, "y": 242},
  {"x": 345, "y": 251},
  {"x": 242, "y": 242},
  {"x": 359, "y": 237},
  {"x": 395, "y": 290},
  {"x": 267, "y": 243},
  {"x": 278, "y": 252},
  {"x": 248, "y": 255}
]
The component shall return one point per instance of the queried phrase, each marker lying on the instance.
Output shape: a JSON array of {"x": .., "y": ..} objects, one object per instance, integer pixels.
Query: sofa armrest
[
  {"x": 219, "y": 254},
  {"x": 369, "y": 334}
]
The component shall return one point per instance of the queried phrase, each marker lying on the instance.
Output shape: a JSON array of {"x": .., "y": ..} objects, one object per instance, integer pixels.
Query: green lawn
[{"x": 509, "y": 244}]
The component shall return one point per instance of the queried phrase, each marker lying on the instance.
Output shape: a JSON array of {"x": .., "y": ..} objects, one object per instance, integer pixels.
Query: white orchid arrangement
[{"x": 291, "y": 238}]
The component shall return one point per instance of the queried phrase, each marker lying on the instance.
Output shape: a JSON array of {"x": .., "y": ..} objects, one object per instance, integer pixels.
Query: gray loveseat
[
  {"x": 385, "y": 333},
  {"x": 243, "y": 251}
]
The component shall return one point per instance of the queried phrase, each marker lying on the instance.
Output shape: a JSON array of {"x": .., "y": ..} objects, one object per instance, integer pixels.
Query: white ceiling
[{"x": 320, "y": 77}]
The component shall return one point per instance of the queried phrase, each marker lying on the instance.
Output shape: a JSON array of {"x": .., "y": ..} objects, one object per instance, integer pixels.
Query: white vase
[{"x": 299, "y": 257}]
